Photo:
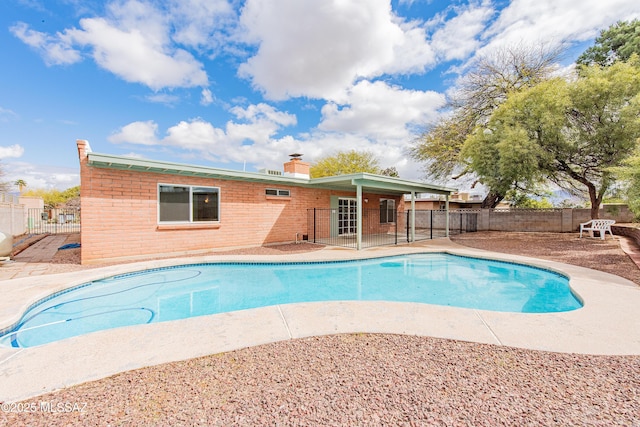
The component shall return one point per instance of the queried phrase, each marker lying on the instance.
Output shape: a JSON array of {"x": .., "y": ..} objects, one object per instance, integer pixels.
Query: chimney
[
  {"x": 296, "y": 168},
  {"x": 83, "y": 148}
]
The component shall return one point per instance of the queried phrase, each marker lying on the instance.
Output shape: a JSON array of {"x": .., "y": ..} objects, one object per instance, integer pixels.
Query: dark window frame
[
  {"x": 277, "y": 192},
  {"x": 387, "y": 211},
  {"x": 187, "y": 204}
]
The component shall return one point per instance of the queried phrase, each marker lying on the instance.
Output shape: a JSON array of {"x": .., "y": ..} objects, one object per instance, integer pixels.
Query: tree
[
  {"x": 56, "y": 198},
  {"x": 524, "y": 201},
  {"x": 617, "y": 43},
  {"x": 345, "y": 162},
  {"x": 629, "y": 172},
  {"x": 570, "y": 132},
  {"x": 21, "y": 184},
  {"x": 487, "y": 85},
  {"x": 390, "y": 171}
]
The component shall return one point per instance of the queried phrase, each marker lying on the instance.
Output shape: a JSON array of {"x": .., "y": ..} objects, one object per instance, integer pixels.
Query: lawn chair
[{"x": 599, "y": 225}]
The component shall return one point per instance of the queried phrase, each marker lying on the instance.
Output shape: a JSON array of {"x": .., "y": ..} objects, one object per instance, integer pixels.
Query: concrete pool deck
[{"x": 609, "y": 322}]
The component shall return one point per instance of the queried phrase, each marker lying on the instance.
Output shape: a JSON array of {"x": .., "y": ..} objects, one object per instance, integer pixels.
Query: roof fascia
[
  {"x": 142, "y": 165},
  {"x": 344, "y": 182}
]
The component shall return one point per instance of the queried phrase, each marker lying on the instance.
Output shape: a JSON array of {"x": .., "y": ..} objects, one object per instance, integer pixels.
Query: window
[
  {"x": 188, "y": 204},
  {"x": 387, "y": 211},
  {"x": 276, "y": 192}
]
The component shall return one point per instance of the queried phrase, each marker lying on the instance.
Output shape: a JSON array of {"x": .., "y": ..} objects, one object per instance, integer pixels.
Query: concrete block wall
[
  {"x": 12, "y": 219},
  {"x": 527, "y": 220},
  {"x": 632, "y": 232}
]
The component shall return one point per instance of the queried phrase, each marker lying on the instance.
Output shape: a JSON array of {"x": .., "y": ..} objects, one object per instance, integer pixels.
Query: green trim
[{"x": 368, "y": 182}]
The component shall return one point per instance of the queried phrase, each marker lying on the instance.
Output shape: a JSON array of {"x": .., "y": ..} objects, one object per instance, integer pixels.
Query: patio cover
[{"x": 388, "y": 185}]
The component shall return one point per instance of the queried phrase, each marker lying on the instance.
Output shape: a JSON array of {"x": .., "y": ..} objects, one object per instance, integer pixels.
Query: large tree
[
  {"x": 617, "y": 43},
  {"x": 570, "y": 132},
  {"x": 629, "y": 173},
  {"x": 491, "y": 79},
  {"x": 345, "y": 162}
]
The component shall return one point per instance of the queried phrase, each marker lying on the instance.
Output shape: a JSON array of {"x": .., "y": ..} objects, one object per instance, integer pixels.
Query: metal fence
[
  {"x": 431, "y": 224},
  {"x": 53, "y": 221},
  {"x": 337, "y": 227}
]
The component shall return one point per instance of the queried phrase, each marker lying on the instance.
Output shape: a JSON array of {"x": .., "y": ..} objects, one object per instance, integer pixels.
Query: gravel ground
[
  {"x": 603, "y": 255},
  {"x": 373, "y": 380}
]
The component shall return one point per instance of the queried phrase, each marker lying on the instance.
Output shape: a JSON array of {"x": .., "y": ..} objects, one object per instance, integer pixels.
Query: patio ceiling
[{"x": 378, "y": 183}]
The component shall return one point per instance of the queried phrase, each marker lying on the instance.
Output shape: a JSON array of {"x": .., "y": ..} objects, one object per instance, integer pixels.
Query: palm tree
[{"x": 21, "y": 183}]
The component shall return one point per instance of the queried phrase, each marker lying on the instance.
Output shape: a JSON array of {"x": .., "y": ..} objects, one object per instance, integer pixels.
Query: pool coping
[{"x": 608, "y": 324}]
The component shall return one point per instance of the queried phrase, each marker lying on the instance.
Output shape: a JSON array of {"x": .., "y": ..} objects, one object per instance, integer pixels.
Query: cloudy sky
[{"x": 241, "y": 84}]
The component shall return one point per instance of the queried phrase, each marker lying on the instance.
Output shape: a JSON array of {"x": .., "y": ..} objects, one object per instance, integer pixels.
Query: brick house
[{"x": 137, "y": 209}]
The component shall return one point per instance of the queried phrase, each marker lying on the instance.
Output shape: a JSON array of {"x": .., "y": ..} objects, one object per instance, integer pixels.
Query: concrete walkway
[{"x": 34, "y": 260}]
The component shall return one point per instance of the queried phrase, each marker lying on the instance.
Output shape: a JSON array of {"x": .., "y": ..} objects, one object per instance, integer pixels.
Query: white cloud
[
  {"x": 201, "y": 23},
  {"x": 389, "y": 152},
  {"x": 264, "y": 111},
  {"x": 196, "y": 135},
  {"x": 134, "y": 44},
  {"x": 143, "y": 133},
  {"x": 250, "y": 138},
  {"x": 557, "y": 21},
  {"x": 375, "y": 117},
  {"x": 317, "y": 49},
  {"x": 162, "y": 98},
  {"x": 459, "y": 37},
  {"x": 379, "y": 111},
  {"x": 55, "y": 50},
  {"x": 133, "y": 41},
  {"x": 206, "y": 97},
  {"x": 11, "y": 151},
  {"x": 40, "y": 176},
  {"x": 412, "y": 54}
]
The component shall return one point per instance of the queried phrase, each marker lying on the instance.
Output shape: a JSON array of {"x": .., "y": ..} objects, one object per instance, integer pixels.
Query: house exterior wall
[{"x": 120, "y": 215}]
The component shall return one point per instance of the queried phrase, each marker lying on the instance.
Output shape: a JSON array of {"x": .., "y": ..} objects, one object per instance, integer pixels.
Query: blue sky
[{"x": 241, "y": 84}]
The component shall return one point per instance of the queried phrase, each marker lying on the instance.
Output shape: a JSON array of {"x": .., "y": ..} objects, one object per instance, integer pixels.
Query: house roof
[
  {"x": 369, "y": 182},
  {"x": 372, "y": 182}
]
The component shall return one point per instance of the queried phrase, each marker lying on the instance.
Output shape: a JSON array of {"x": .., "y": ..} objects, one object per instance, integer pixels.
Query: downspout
[
  {"x": 413, "y": 216},
  {"x": 359, "y": 216},
  {"x": 446, "y": 208}
]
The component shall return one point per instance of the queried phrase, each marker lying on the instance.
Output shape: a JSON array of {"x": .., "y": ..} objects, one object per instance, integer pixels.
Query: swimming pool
[{"x": 180, "y": 292}]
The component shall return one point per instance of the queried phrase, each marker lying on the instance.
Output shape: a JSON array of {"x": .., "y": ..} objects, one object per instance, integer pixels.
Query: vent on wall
[{"x": 271, "y": 172}]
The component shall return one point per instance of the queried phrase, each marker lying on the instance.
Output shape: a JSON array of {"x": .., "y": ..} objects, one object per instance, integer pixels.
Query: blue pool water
[{"x": 195, "y": 290}]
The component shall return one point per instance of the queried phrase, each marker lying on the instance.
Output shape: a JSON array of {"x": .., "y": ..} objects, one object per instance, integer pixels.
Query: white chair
[{"x": 599, "y": 225}]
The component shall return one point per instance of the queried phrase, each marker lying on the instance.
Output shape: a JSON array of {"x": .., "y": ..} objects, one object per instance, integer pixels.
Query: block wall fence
[
  {"x": 12, "y": 219},
  {"x": 120, "y": 214},
  {"x": 546, "y": 220}
]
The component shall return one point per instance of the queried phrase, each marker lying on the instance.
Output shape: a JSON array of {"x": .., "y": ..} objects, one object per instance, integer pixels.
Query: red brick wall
[{"x": 120, "y": 211}]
